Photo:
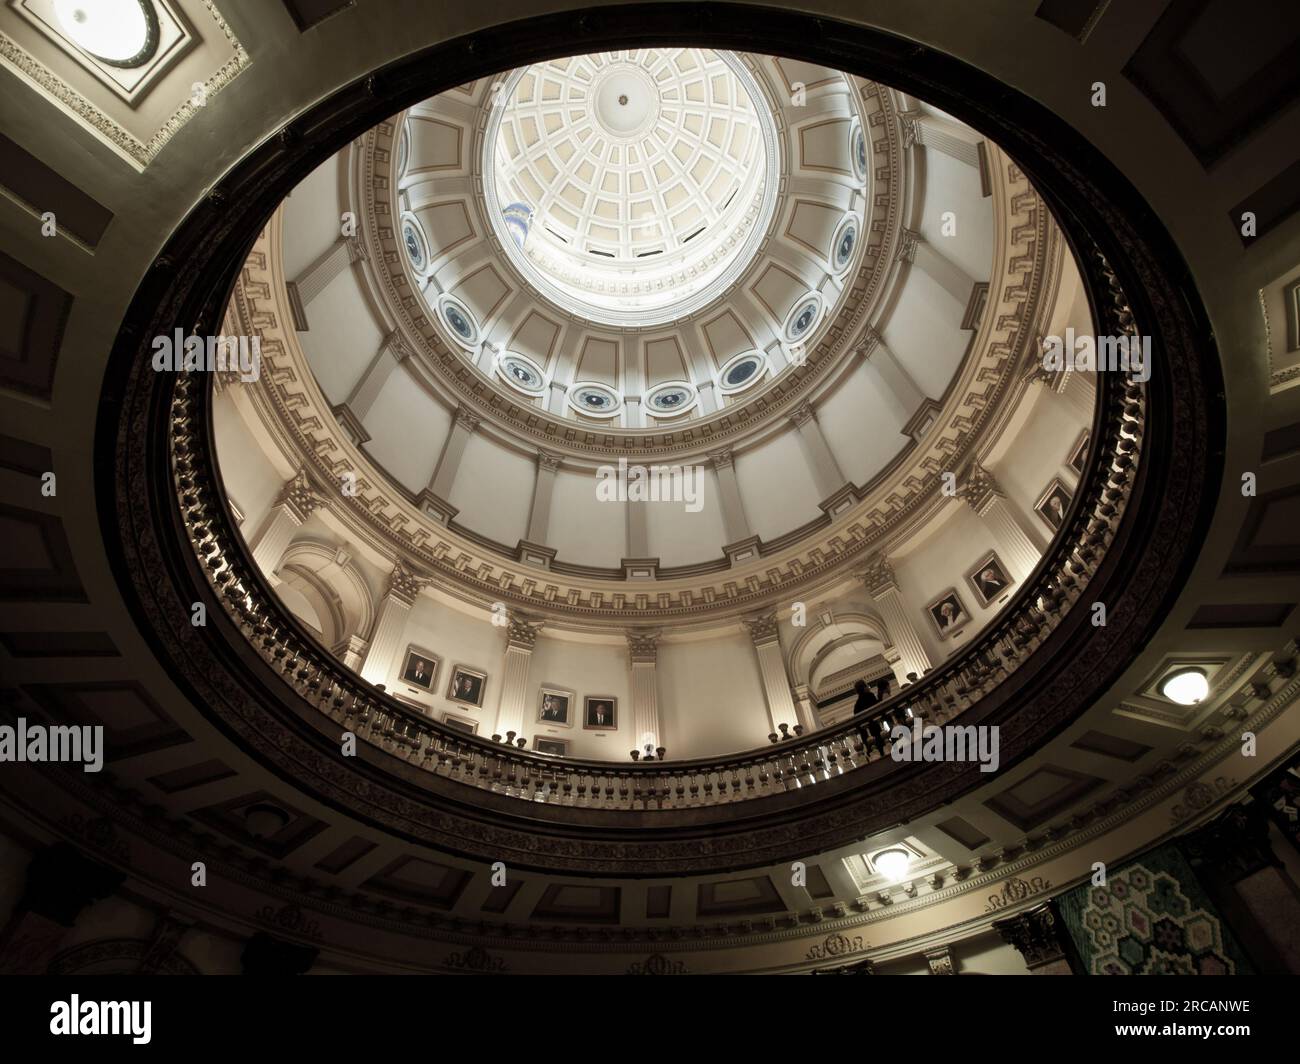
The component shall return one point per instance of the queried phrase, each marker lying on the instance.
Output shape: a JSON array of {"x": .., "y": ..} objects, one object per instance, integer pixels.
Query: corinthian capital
[
  {"x": 643, "y": 645},
  {"x": 299, "y": 497},
  {"x": 523, "y": 632},
  {"x": 907, "y": 241},
  {"x": 979, "y": 488},
  {"x": 466, "y": 417},
  {"x": 405, "y": 583},
  {"x": 878, "y": 576},
  {"x": 802, "y": 414},
  {"x": 762, "y": 628}
]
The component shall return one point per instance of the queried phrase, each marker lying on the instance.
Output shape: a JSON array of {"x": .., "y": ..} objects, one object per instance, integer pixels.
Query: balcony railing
[{"x": 802, "y": 762}]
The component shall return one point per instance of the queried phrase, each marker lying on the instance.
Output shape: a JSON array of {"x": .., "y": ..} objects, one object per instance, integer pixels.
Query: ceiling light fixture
[
  {"x": 120, "y": 32},
  {"x": 1186, "y": 686},
  {"x": 892, "y": 864}
]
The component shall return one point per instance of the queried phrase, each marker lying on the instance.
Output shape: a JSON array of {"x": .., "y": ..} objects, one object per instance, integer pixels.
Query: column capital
[
  {"x": 878, "y": 576},
  {"x": 396, "y": 343},
  {"x": 523, "y": 632},
  {"x": 721, "y": 459},
  {"x": 356, "y": 249},
  {"x": 466, "y": 417},
  {"x": 908, "y": 240},
  {"x": 1035, "y": 935},
  {"x": 907, "y": 121},
  {"x": 871, "y": 339},
  {"x": 405, "y": 583},
  {"x": 802, "y": 414},
  {"x": 940, "y": 961},
  {"x": 299, "y": 496},
  {"x": 548, "y": 461},
  {"x": 643, "y": 645},
  {"x": 761, "y": 628},
  {"x": 1033, "y": 370},
  {"x": 979, "y": 488}
]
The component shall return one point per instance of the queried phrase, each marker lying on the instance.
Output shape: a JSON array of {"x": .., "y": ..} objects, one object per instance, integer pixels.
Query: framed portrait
[
  {"x": 555, "y": 707},
  {"x": 1079, "y": 454},
  {"x": 460, "y": 724},
  {"x": 466, "y": 685},
  {"x": 419, "y": 668},
  {"x": 947, "y": 613},
  {"x": 600, "y": 713},
  {"x": 989, "y": 578},
  {"x": 544, "y": 744},
  {"x": 1053, "y": 504}
]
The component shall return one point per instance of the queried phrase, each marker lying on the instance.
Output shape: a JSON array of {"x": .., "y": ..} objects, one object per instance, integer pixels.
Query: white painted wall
[
  {"x": 777, "y": 486},
  {"x": 495, "y": 505},
  {"x": 951, "y": 185},
  {"x": 711, "y": 698},
  {"x": 407, "y": 431}
]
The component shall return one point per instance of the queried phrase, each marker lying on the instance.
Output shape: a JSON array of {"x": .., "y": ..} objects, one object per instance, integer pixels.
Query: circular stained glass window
[
  {"x": 671, "y": 399},
  {"x": 846, "y": 239},
  {"x": 522, "y": 374},
  {"x": 414, "y": 243},
  {"x": 459, "y": 320},
  {"x": 595, "y": 400},
  {"x": 802, "y": 317},
  {"x": 742, "y": 371},
  {"x": 858, "y": 150}
]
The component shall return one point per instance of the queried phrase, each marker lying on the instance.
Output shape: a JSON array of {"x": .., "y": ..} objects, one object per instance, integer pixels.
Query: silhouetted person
[{"x": 863, "y": 704}]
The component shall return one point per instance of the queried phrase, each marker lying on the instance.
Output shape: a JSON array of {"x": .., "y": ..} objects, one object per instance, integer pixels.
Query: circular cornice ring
[{"x": 142, "y": 514}]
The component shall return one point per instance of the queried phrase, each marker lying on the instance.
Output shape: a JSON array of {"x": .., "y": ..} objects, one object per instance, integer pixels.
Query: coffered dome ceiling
[{"x": 631, "y": 187}]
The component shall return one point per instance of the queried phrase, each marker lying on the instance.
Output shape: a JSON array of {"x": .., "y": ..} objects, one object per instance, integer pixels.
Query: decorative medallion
[
  {"x": 1016, "y": 890},
  {"x": 657, "y": 964},
  {"x": 835, "y": 945}
]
